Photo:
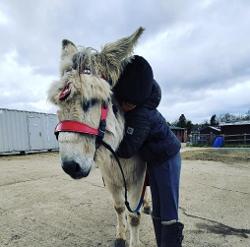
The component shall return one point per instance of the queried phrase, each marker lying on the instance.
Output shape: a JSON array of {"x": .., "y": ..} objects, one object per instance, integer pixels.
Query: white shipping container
[{"x": 23, "y": 131}]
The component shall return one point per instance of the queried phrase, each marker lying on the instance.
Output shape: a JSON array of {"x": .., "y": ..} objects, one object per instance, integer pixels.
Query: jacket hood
[
  {"x": 155, "y": 97},
  {"x": 135, "y": 83}
]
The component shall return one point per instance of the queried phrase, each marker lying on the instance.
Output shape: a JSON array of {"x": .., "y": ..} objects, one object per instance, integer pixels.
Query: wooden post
[
  {"x": 224, "y": 138},
  {"x": 211, "y": 137}
]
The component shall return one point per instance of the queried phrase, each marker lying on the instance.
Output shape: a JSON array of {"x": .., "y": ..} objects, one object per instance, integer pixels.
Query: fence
[
  {"x": 241, "y": 139},
  {"x": 208, "y": 139}
]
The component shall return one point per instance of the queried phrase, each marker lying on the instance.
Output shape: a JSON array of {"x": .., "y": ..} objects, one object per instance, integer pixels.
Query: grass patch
[{"x": 222, "y": 155}]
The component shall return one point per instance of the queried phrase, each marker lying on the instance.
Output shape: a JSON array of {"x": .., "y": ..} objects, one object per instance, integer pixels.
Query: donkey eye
[
  {"x": 86, "y": 71},
  {"x": 87, "y": 104}
]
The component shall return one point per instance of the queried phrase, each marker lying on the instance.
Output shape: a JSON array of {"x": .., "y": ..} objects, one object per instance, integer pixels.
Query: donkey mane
[{"x": 110, "y": 61}]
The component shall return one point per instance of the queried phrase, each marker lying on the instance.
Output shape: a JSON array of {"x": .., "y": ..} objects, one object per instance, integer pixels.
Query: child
[{"x": 147, "y": 133}]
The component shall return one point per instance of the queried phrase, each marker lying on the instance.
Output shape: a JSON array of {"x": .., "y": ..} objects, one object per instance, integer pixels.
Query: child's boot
[
  {"x": 171, "y": 235},
  {"x": 157, "y": 229}
]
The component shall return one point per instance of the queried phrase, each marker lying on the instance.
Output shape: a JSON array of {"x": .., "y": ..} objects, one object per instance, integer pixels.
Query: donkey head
[{"x": 87, "y": 78}]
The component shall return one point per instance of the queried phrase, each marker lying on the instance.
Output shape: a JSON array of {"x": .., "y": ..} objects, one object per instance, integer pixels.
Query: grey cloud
[
  {"x": 214, "y": 49},
  {"x": 206, "y": 45},
  {"x": 37, "y": 30}
]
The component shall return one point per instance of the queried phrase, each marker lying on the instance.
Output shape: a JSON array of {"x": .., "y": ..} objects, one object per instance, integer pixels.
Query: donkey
[{"x": 85, "y": 86}]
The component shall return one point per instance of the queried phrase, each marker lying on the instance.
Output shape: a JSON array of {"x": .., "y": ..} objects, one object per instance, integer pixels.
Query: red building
[{"x": 181, "y": 133}]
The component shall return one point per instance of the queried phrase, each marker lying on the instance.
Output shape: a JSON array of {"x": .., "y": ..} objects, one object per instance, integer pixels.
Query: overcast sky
[{"x": 199, "y": 50}]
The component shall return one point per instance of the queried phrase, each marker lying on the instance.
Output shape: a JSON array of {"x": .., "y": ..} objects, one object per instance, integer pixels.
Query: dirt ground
[{"x": 40, "y": 206}]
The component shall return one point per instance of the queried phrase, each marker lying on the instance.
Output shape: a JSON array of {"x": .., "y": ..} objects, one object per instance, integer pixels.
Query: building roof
[
  {"x": 211, "y": 128},
  {"x": 236, "y": 123},
  {"x": 176, "y": 128},
  {"x": 16, "y": 110},
  {"x": 215, "y": 128}
]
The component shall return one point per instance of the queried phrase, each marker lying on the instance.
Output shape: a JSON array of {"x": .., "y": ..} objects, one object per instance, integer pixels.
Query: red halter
[{"x": 82, "y": 128}]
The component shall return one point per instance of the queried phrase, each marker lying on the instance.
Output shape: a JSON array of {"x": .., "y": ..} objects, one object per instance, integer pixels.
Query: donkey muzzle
[{"x": 73, "y": 169}]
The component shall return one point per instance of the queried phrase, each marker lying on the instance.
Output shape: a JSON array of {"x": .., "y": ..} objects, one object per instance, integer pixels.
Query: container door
[
  {"x": 51, "y": 123},
  {"x": 35, "y": 133}
]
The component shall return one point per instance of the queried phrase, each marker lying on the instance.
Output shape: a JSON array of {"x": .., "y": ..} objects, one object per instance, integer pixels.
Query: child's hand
[{"x": 126, "y": 106}]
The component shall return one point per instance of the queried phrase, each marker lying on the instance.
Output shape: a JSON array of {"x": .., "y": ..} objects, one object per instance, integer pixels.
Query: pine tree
[
  {"x": 214, "y": 121},
  {"x": 189, "y": 126},
  {"x": 182, "y": 121}
]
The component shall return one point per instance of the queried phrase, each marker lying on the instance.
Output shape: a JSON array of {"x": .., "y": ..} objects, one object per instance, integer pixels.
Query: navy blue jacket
[{"x": 147, "y": 133}]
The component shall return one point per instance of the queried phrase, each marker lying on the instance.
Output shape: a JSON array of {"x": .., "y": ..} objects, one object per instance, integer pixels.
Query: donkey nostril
[{"x": 71, "y": 167}]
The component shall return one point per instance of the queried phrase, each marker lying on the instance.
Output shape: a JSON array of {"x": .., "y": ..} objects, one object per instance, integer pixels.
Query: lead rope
[{"x": 136, "y": 210}]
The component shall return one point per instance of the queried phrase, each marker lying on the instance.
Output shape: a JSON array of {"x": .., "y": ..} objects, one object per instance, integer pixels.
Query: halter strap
[
  {"x": 82, "y": 128},
  {"x": 74, "y": 126}
]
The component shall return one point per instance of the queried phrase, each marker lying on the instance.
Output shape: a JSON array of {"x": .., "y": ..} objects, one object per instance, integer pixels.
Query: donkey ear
[
  {"x": 114, "y": 55},
  {"x": 68, "y": 48}
]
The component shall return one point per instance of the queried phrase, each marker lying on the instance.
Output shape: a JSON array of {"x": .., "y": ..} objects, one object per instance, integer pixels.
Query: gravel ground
[{"x": 40, "y": 206}]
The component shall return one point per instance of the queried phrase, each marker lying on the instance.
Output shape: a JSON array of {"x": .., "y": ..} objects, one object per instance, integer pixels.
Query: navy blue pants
[{"x": 164, "y": 182}]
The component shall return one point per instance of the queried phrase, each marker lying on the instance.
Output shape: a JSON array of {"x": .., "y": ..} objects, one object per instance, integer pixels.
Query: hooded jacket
[{"x": 147, "y": 133}]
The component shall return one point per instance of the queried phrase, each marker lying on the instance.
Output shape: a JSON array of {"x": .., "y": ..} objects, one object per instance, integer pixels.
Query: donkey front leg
[
  {"x": 134, "y": 223},
  {"x": 119, "y": 206},
  {"x": 146, "y": 202},
  {"x": 134, "y": 219},
  {"x": 121, "y": 227}
]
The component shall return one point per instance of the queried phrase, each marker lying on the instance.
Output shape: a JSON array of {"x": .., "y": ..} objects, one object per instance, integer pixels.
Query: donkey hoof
[
  {"x": 119, "y": 242},
  {"x": 147, "y": 210}
]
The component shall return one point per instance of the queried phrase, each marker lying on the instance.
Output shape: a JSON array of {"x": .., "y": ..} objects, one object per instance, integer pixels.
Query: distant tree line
[
  {"x": 183, "y": 122},
  {"x": 228, "y": 117}
]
